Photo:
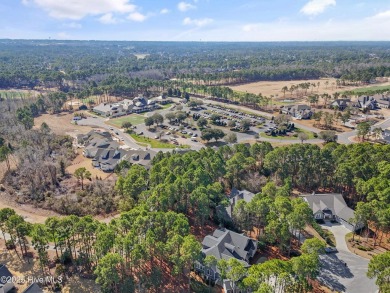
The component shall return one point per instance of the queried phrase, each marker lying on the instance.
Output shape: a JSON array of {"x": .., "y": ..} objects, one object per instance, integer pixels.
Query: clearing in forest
[{"x": 327, "y": 85}]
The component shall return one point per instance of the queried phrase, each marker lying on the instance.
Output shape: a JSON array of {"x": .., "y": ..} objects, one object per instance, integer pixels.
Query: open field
[
  {"x": 60, "y": 124},
  {"x": 134, "y": 119},
  {"x": 268, "y": 88},
  {"x": 371, "y": 89},
  {"x": 141, "y": 56},
  {"x": 17, "y": 94}
]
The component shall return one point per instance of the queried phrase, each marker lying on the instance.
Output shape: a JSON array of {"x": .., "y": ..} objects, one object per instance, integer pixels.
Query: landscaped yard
[
  {"x": 154, "y": 143},
  {"x": 290, "y": 137},
  {"x": 370, "y": 89},
  {"x": 135, "y": 119}
]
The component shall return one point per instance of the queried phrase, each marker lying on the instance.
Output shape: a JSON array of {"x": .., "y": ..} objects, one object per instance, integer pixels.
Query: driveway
[{"x": 336, "y": 275}]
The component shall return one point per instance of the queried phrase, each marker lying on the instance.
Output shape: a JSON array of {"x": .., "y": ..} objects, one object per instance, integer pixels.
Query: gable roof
[
  {"x": 226, "y": 244},
  {"x": 333, "y": 201},
  {"x": 341, "y": 102},
  {"x": 33, "y": 288},
  {"x": 4, "y": 272}
]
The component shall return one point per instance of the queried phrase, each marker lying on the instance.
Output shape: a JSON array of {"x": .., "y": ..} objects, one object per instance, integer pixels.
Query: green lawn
[
  {"x": 154, "y": 143},
  {"x": 369, "y": 89},
  {"x": 285, "y": 137},
  {"x": 166, "y": 106},
  {"x": 135, "y": 119},
  {"x": 14, "y": 94}
]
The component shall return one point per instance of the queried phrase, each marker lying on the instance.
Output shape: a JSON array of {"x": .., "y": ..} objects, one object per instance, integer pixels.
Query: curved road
[{"x": 345, "y": 271}]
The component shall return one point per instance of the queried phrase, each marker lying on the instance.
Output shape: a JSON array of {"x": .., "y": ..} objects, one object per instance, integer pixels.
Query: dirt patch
[
  {"x": 61, "y": 124},
  {"x": 80, "y": 161},
  {"x": 30, "y": 213},
  {"x": 337, "y": 126}
]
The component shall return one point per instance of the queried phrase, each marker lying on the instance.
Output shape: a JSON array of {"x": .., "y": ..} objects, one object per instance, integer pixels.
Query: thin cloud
[
  {"x": 185, "y": 6},
  {"x": 164, "y": 11},
  {"x": 315, "y": 7},
  {"x": 78, "y": 9},
  {"x": 108, "y": 18},
  {"x": 136, "y": 16},
  {"x": 382, "y": 15},
  {"x": 197, "y": 22},
  {"x": 74, "y": 25}
]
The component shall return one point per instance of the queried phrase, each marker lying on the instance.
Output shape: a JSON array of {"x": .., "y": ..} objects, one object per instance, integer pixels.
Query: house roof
[
  {"x": 33, "y": 288},
  {"x": 341, "y": 102},
  {"x": 241, "y": 194},
  {"x": 103, "y": 107},
  {"x": 333, "y": 201},
  {"x": 235, "y": 196},
  {"x": 4, "y": 272},
  {"x": 226, "y": 244}
]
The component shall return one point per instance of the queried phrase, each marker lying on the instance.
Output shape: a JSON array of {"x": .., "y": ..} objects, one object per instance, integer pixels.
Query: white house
[{"x": 331, "y": 207}]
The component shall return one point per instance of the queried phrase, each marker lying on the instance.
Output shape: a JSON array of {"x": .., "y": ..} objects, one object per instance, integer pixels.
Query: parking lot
[{"x": 187, "y": 132}]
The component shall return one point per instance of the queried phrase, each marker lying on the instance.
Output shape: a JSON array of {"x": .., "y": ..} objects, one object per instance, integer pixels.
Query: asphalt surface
[
  {"x": 350, "y": 278},
  {"x": 346, "y": 137}
]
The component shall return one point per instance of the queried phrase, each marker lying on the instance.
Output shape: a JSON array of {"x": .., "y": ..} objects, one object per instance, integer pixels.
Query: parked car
[
  {"x": 330, "y": 249},
  {"x": 140, "y": 133}
]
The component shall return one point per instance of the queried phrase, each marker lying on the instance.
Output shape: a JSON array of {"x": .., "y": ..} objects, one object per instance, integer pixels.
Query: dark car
[{"x": 331, "y": 249}]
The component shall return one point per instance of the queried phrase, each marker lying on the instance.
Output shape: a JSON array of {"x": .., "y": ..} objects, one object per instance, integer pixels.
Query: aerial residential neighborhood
[{"x": 194, "y": 146}]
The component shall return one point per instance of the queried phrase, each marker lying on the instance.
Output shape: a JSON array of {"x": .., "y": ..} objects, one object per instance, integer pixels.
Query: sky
[{"x": 196, "y": 20}]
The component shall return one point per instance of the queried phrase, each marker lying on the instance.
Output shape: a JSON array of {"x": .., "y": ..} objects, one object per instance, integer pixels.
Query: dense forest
[
  {"x": 114, "y": 68},
  {"x": 166, "y": 210}
]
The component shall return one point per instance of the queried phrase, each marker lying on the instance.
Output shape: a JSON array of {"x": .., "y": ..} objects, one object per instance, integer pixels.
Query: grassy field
[
  {"x": 15, "y": 94},
  {"x": 268, "y": 88},
  {"x": 154, "y": 143},
  {"x": 371, "y": 89},
  {"x": 135, "y": 119},
  {"x": 285, "y": 137}
]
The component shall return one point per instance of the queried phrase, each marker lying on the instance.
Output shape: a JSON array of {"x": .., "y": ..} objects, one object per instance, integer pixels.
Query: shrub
[
  {"x": 364, "y": 248},
  {"x": 315, "y": 134}
]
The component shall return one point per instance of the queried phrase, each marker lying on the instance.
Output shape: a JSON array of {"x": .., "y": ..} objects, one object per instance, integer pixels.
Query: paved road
[
  {"x": 350, "y": 278},
  {"x": 346, "y": 137},
  {"x": 99, "y": 122}
]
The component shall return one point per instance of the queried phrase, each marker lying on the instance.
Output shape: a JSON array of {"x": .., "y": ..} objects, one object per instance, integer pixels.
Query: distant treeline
[{"x": 74, "y": 66}]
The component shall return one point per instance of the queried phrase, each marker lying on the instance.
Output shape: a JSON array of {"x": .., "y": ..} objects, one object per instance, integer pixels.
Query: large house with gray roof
[
  {"x": 235, "y": 196},
  {"x": 383, "y": 101},
  {"x": 225, "y": 214},
  {"x": 299, "y": 111},
  {"x": 6, "y": 284},
  {"x": 106, "y": 153},
  {"x": 125, "y": 107},
  {"x": 331, "y": 207},
  {"x": 226, "y": 244},
  {"x": 341, "y": 104}
]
